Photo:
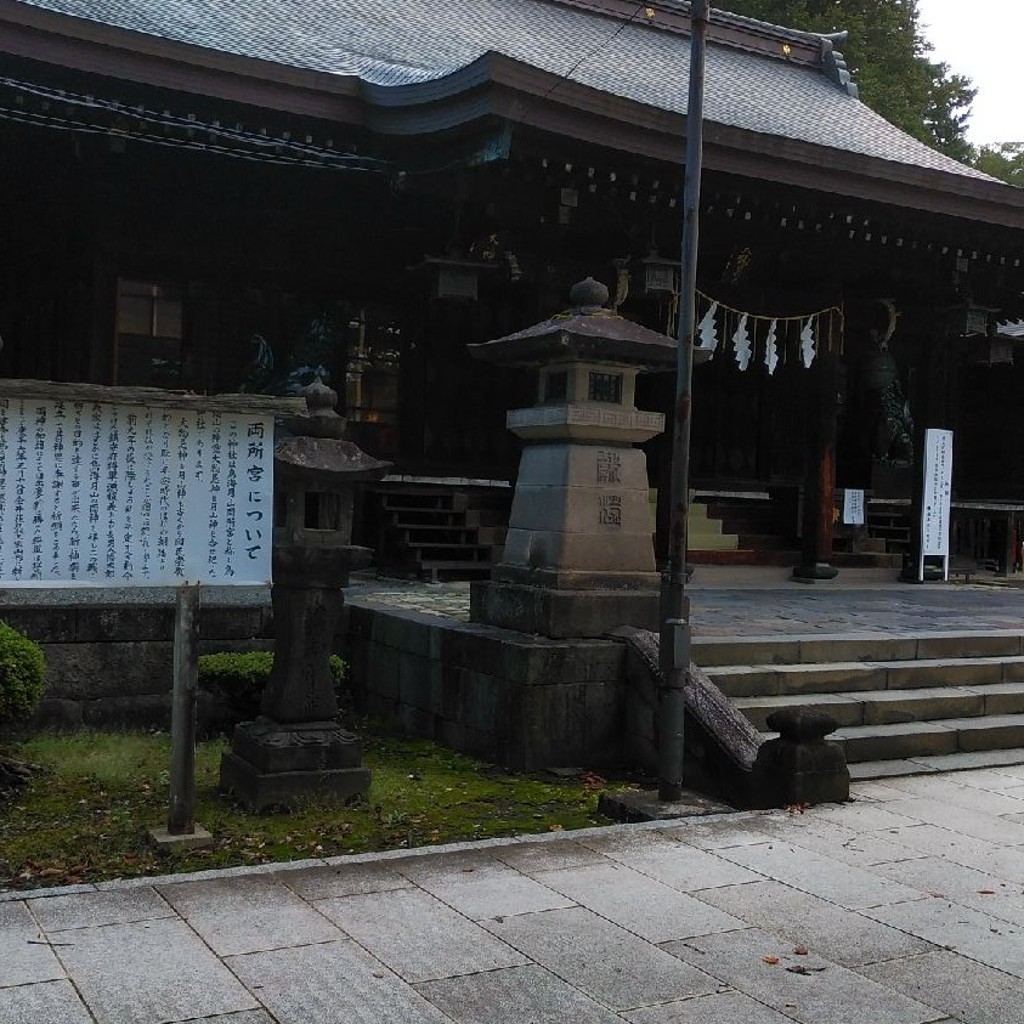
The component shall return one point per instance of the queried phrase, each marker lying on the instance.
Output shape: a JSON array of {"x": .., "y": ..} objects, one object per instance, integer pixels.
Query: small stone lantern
[
  {"x": 295, "y": 749},
  {"x": 579, "y": 555}
]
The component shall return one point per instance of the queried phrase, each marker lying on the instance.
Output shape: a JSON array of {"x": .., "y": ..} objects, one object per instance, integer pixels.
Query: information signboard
[
  {"x": 100, "y": 492},
  {"x": 935, "y": 498},
  {"x": 853, "y": 507}
]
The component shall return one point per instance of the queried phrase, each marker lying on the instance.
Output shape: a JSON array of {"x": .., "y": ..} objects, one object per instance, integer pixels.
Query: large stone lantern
[
  {"x": 579, "y": 556},
  {"x": 295, "y": 749}
]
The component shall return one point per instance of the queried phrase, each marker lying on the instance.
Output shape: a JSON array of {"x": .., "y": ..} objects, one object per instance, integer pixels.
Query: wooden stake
[{"x": 180, "y": 818}]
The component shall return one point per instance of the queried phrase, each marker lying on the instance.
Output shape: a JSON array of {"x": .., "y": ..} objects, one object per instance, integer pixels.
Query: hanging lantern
[
  {"x": 985, "y": 346},
  {"x": 453, "y": 278},
  {"x": 661, "y": 276},
  {"x": 969, "y": 320},
  {"x": 994, "y": 350}
]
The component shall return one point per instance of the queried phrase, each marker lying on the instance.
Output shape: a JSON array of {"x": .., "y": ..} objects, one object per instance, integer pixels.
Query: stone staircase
[
  {"x": 441, "y": 533},
  {"x": 746, "y": 530},
  {"x": 904, "y": 704}
]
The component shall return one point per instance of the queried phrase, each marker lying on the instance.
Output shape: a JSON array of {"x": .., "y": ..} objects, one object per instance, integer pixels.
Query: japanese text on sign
[
  {"x": 938, "y": 487},
  {"x": 98, "y": 493}
]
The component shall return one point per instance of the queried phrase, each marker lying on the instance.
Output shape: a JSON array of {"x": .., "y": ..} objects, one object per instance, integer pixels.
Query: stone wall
[
  {"x": 515, "y": 700},
  {"x": 111, "y": 664}
]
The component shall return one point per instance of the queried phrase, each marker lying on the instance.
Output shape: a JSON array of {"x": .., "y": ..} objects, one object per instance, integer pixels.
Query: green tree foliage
[
  {"x": 1004, "y": 161},
  {"x": 888, "y": 57},
  {"x": 21, "y": 674},
  {"x": 238, "y": 679}
]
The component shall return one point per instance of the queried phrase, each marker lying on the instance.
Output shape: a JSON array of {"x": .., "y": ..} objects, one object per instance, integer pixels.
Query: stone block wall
[
  {"x": 112, "y": 664},
  {"x": 512, "y": 699}
]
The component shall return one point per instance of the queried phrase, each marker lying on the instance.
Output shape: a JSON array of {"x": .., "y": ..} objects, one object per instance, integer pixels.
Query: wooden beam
[{"x": 256, "y": 405}]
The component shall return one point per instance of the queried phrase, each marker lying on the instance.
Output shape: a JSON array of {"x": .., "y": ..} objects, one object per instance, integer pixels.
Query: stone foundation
[
  {"x": 110, "y": 664},
  {"x": 515, "y": 700}
]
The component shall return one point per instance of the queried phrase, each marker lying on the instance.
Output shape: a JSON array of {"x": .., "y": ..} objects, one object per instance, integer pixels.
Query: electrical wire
[
  {"x": 597, "y": 49},
  {"x": 257, "y": 147}
]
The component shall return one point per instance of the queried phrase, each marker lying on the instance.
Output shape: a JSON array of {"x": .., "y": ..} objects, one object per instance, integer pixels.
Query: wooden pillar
[
  {"x": 929, "y": 408},
  {"x": 820, "y": 470}
]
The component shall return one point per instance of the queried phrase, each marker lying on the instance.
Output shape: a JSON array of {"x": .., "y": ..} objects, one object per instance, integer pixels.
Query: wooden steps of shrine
[
  {"x": 439, "y": 533},
  {"x": 902, "y": 703}
]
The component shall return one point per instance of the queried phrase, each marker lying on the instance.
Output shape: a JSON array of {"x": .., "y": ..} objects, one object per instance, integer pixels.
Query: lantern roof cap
[
  {"x": 323, "y": 463},
  {"x": 586, "y": 331},
  {"x": 316, "y": 455}
]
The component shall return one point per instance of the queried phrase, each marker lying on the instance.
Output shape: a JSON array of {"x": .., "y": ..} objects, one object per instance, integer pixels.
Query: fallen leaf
[
  {"x": 555, "y": 828},
  {"x": 773, "y": 960},
  {"x": 986, "y": 892},
  {"x": 801, "y": 950}
]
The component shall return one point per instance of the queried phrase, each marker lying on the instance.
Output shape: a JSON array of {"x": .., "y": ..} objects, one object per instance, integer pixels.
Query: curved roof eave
[
  {"x": 494, "y": 84},
  {"x": 520, "y": 93}
]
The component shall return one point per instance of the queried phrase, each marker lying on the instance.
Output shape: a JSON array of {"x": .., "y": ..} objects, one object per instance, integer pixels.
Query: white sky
[{"x": 982, "y": 39}]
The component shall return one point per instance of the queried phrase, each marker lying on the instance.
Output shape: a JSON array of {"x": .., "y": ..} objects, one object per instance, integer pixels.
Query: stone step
[
  {"x": 959, "y": 762},
  {"x": 902, "y": 702},
  {"x": 891, "y": 707},
  {"x": 854, "y": 676},
  {"x": 812, "y": 648},
  {"x": 930, "y": 739}
]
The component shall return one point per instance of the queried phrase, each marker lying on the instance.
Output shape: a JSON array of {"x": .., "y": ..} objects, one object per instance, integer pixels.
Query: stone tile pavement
[
  {"x": 905, "y": 906},
  {"x": 754, "y": 601}
]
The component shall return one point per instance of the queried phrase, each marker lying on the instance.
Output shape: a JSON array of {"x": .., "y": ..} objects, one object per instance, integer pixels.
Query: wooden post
[
  {"x": 181, "y": 827},
  {"x": 819, "y": 474},
  {"x": 180, "y": 818}
]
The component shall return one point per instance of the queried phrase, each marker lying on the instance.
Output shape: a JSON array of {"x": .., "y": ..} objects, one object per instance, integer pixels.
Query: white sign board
[
  {"x": 117, "y": 494},
  {"x": 853, "y": 507},
  {"x": 935, "y": 497}
]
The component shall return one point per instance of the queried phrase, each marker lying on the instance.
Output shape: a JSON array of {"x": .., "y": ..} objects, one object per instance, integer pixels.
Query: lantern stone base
[
  {"x": 563, "y": 612},
  {"x": 274, "y": 764}
]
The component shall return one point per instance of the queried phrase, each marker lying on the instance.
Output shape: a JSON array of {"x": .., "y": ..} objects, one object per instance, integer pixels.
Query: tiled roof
[{"x": 402, "y": 42}]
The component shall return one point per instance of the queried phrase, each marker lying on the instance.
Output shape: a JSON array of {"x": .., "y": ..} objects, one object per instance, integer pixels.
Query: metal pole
[
  {"x": 181, "y": 816},
  {"x": 675, "y": 605}
]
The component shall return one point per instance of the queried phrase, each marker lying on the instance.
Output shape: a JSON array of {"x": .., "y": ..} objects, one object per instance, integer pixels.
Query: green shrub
[
  {"x": 21, "y": 674},
  {"x": 239, "y": 679}
]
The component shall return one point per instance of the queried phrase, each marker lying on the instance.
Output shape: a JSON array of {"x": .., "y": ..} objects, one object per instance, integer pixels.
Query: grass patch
[{"x": 85, "y": 816}]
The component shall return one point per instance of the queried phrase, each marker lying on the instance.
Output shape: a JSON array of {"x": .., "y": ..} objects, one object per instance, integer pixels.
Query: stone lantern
[
  {"x": 579, "y": 555},
  {"x": 295, "y": 749}
]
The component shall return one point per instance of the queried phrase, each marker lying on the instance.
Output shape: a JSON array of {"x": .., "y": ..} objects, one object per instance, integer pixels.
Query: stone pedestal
[
  {"x": 271, "y": 765},
  {"x": 800, "y": 766},
  {"x": 579, "y": 559}
]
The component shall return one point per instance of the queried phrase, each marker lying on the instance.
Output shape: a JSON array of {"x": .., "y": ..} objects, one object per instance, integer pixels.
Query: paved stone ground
[
  {"x": 905, "y": 906},
  {"x": 756, "y": 602}
]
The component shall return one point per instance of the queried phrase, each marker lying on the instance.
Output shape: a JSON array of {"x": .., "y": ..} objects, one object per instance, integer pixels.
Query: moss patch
[{"x": 85, "y": 817}]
